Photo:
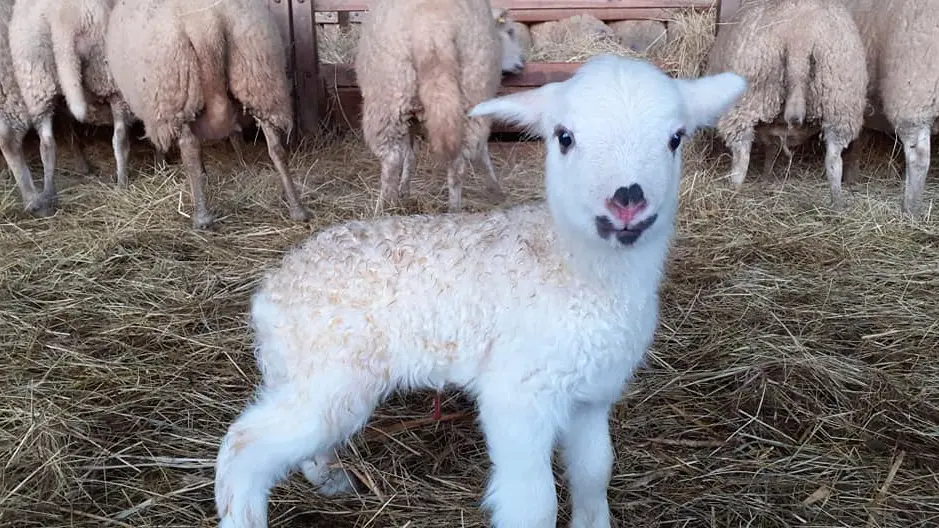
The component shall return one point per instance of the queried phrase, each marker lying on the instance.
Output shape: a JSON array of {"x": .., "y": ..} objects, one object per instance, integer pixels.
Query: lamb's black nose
[{"x": 626, "y": 196}]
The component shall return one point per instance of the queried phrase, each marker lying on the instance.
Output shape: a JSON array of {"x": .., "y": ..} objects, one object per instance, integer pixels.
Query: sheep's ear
[
  {"x": 500, "y": 14},
  {"x": 522, "y": 109},
  {"x": 708, "y": 98}
]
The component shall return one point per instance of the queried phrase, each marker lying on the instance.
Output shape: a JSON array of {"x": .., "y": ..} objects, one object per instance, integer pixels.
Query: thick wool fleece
[
  {"x": 176, "y": 61},
  {"x": 772, "y": 43},
  {"x": 58, "y": 48},
  {"x": 902, "y": 43},
  {"x": 430, "y": 58}
]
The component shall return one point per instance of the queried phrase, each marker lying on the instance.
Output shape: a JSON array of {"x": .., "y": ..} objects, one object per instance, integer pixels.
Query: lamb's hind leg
[
  {"x": 275, "y": 149},
  {"x": 916, "y": 145},
  {"x": 520, "y": 440},
  {"x": 587, "y": 452},
  {"x": 268, "y": 441}
]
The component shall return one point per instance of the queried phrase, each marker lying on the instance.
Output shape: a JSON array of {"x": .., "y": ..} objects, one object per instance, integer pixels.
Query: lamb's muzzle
[{"x": 626, "y": 235}]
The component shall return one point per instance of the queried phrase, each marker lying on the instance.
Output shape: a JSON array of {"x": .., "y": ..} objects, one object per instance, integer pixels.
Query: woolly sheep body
[
  {"x": 176, "y": 61},
  {"x": 901, "y": 38},
  {"x": 774, "y": 43},
  {"x": 14, "y": 119},
  {"x": 368, "y": 307},
  {"x": 640, "y": 35},
  {"x": 431, "y": 61},
  {"x": 58, "y": 49},
  {"x": 574, "y": 28}
]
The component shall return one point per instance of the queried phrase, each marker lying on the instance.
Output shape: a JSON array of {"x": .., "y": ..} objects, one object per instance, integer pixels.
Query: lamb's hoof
[
  {"x": 203, "y": 221},
  {"x": 333, "y": 482},
  {"x": 42, "y": 205}
]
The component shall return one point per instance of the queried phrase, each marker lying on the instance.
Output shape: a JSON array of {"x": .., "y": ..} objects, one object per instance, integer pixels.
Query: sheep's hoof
[
  {"x": 42, "y": 205},
  {"x": 203, "y": 221},
  {"x": 300, "y": 214},
  {"x": 496, "y": 194}
]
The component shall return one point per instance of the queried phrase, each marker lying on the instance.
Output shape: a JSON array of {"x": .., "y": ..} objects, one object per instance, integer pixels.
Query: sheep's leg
[
  {"x": 267, "y": 441},
  {"x": 49, "y": 198},
  {"x": 159, "y": 159},
  {"x": 740, "y": 152},
  {"x": 771, "y": 153},
  {"x": 455, "y": 183},
  {"x": 493, "y": 182},
  {"x": 916, "y": 145},
  {"x": 275, "y": 149},
  {"x": 520, "y": 441},
  {"x": 587, "y": 452},
  {"x": 393, "y": 159},
  {"x": 852, "y": 158},
  {"x": 121, "y": 143},
  {"x": 238, "y": 144},
  {"x": 834, "y": 166},
  {"x": 190, "y": 152},
  {"x": 11, "y": 144},
  {"x": 77, "y": 146},
  {"x": 407, "y": 168}
]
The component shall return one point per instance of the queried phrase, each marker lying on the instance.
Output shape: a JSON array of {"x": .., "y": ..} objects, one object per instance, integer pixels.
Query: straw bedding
[{"x": 794, "y": 380}]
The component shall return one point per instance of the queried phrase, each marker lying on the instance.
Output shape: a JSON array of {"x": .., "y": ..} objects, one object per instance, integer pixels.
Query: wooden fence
[{"x": 319, "y": 86}]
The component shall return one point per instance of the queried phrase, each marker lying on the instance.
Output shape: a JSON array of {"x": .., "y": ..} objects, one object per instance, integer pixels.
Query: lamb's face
[
  {"x": 614, "y": 133},
  {"x": 512, "y": 57}
]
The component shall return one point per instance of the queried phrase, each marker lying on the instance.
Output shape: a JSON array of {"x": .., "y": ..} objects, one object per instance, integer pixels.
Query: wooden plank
[
  {"x": 535, "y": 74},
  {"x": 309, "y": 88},
  {"x": 541, "y": 15},
  {"x": 727, "y": 9},
  {"x": 579, "y": 5}
]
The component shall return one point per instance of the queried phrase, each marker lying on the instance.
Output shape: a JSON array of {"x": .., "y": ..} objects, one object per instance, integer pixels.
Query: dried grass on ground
[{"x": 794, "y": 380}]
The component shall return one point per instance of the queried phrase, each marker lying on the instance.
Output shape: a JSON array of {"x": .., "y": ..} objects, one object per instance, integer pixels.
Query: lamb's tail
[
  {"x": 438, "y": 89},
  {"x": 68, "y": 69},
  {"x": 798, "y": 69}
]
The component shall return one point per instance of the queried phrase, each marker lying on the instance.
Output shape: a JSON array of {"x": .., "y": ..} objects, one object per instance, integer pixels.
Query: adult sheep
[
  {"x": 804, "y": 62},
  {"x": 470, "y": 293},
  {"x": 177, "y": 61},
  {"x": 58, "y": 50},
  {"x": 902, "y": 42},
  {"x": 431, "y": 61}
]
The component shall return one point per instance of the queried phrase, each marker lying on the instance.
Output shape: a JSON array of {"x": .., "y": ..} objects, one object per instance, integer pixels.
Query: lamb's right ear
[
  {"x": 708, "y": 98},
  {"x": 524, "y": 109}
]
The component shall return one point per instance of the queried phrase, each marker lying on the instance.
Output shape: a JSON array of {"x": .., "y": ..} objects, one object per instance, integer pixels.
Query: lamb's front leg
[
  {"x": 520, "y": 439},
  {"x": 587, "y": 452}
]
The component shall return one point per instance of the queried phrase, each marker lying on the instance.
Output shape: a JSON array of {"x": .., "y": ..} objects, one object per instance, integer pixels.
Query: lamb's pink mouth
[{"x": 628, "y": 234}]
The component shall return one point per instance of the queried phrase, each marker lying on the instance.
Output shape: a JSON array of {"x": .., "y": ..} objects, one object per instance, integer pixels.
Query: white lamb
[{"x": 369, "y": 307}]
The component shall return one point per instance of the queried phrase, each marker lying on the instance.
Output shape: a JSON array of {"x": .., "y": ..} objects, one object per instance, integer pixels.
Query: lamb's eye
[
  {"x": 565, "y": 138},
  {"x": 675, "y": 141}
]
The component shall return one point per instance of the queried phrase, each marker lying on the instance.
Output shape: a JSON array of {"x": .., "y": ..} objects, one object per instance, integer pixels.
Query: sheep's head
[
  {"x": 613, "y": 134},
  {"x": 512, "y": 57}
]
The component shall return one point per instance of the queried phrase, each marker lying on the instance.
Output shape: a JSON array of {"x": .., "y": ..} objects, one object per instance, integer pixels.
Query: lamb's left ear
[
  {"x": 708, "y": 98},
  {"x": 524, "y": 109}
]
